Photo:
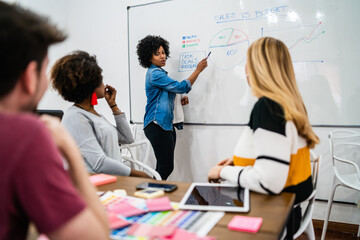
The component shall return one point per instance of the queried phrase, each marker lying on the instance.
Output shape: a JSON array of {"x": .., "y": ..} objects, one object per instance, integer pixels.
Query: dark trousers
[
  {"x": 163, "y": 143},
  {"x": 293, "y": 223}
]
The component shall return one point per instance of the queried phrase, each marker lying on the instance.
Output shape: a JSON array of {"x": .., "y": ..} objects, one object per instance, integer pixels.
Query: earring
[{"x": 94, "y": 99}]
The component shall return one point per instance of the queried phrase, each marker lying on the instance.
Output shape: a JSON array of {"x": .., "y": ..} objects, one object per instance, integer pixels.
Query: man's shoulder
[
  {"x": 19, "y": 122},
  {"x": 23, "y": 136},
  {"x": 23, "y": 130}
]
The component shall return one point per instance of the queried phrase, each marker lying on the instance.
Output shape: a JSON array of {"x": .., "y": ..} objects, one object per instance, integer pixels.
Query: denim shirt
[{"x": 160, "y": 92}]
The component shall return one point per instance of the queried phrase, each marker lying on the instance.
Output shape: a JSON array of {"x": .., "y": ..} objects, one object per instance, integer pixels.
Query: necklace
[
  {"x": 91, "y": 110},
  {"x": 79, "y": 106}
]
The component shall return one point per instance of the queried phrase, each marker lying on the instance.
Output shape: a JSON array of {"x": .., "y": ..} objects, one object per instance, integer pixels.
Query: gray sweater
[{"x": 99, "y": 140}]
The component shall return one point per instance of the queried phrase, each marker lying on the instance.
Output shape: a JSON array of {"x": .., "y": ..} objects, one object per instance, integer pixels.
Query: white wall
[{"x": 100, "y": 27}]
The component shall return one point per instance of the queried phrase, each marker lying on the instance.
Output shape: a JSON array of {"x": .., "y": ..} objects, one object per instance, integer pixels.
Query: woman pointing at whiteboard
[{"x": 153, "y": 52}]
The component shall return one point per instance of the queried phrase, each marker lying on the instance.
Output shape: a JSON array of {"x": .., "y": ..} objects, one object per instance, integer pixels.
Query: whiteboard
[{"x": 322, "y": 35}]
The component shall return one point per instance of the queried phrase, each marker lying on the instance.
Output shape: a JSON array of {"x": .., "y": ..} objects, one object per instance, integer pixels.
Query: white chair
[
  {"x": 344, "y": 148},
  {"x": 306, "y": 225},
  {"x": 128, "y": 152}
]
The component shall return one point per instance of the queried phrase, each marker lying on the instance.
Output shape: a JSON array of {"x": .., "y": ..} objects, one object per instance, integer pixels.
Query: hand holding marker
[{"x": 203, "y": 63}]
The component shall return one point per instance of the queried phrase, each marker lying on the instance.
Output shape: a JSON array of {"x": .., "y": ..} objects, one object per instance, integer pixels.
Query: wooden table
[{"x": 273, "y": 209}]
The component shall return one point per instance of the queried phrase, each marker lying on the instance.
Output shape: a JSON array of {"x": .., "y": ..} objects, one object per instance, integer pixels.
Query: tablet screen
[
  {"x": 202, "y": 196},
  {"x": 216, "y": 196}
]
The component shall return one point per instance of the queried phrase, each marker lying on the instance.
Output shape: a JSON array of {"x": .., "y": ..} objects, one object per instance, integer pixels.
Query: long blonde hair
[{"x": 272, "y": 75}]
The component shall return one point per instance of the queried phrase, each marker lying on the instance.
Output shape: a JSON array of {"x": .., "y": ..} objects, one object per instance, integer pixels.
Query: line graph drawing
[
  {"x": 301, "y": 40},
  {"x": 308, "y": 39},
  {"x": 228, "y": 48}
]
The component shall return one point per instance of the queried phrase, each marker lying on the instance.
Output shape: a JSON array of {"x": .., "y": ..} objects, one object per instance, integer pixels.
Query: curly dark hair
[
  {"x": 148, "y": 46},
  {"x": 76, "y": 76}
]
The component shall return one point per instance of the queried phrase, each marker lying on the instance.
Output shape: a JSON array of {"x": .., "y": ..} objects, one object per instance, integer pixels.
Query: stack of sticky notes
[
  {"x": 163, "y": 232},
  {"x": 101, "y": 179},
  {"x": 124, "y": 208},
  {"x": 116, "y": 222},
  {"x": 245, "y": 224},
  {"x": 159, "y": 204},
  {"x": 152, "y": 231}
]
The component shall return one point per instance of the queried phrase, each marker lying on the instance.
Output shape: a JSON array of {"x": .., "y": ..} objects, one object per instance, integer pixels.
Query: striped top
[{"x": 270, "y": 157}]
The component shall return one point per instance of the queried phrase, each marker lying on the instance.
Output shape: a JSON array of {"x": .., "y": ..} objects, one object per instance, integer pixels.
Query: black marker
[{"x": 208, "y": 55}]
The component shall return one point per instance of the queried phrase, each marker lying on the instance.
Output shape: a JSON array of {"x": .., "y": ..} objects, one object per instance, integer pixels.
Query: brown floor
[
  {"x": 331, "y": 235},
  {"x": 335, "y": 234}
]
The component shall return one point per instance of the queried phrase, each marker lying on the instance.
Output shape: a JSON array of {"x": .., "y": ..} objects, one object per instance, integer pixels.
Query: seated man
[{"x": 33, "y": 183}]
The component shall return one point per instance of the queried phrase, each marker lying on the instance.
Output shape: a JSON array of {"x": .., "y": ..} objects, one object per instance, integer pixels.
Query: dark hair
[
  {"x": 76, "y": 76},
  {"x": 24, "y": 37},
  {"x": 148, "y": 46}
]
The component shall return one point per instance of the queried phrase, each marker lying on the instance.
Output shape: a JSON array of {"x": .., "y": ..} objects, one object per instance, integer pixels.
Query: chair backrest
[
  {"x": 340, "y": 137},
  {"x": 134, "y": 162},
  {"x": 309, "y": 208},
  {"x": 315, "y": 161},
  {"x": 140, "y": 152},
  {"x": 345, "y": 155},
  {"x": 139, "y": 149}
]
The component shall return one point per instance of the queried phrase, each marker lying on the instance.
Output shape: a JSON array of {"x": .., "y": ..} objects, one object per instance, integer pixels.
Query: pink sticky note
[
  {"x": 246, "y": 224},
  {"x": 152, "y": 231},
  {"x": 162, "y": 231},
  {"x": 158, "y": 204},
  {"x": 133, "y": 229},
  {"x": 125, "y": 209},
  {"x": 116, "y": 222},
  {"x": 101, "y": 179},
  {"x": 181, "y": 234}
]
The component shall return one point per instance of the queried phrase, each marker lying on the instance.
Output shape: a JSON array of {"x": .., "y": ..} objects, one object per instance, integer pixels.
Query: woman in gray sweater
[{"x": 78, "y": 79}]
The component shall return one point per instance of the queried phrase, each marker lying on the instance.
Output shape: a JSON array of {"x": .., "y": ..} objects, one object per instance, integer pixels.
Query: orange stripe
[
  {"x": 300, "y": 167},
  {"x": 171, "y": 214},
  {"x": 238, "y": 161}
]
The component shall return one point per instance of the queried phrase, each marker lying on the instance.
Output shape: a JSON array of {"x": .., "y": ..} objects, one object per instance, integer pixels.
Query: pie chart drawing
[{"x": 228, "y": 48}]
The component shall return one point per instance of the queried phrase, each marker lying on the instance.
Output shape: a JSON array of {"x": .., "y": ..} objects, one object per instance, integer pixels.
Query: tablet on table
[{"x": 216, "y": 197}]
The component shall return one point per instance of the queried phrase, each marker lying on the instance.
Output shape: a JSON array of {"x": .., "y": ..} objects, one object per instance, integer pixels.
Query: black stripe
[
  {"x": 272, "y": 158},
  {"x": 268, "y": 115},
  {"x": 302, "y": 190},
  {"x": 239, "y": 177},
  {"x": 267, "y": 190}
]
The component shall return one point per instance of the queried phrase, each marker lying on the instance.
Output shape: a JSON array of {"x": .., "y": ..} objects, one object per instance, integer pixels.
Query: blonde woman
[{"x": 272, "y": 155}]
